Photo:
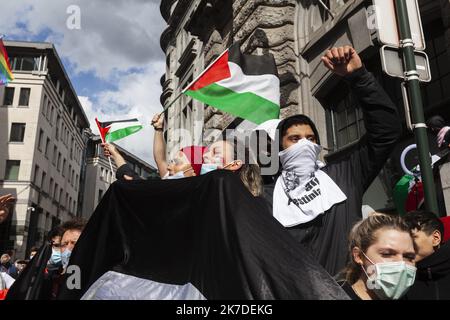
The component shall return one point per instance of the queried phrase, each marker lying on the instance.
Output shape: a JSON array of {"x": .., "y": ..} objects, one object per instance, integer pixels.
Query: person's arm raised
[
  {"x": 159, "y": 145},
  {"x": 380, "y": 114}
]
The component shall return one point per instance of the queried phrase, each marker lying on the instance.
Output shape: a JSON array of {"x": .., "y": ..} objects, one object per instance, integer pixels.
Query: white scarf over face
[{"x": 303, "y": 191}]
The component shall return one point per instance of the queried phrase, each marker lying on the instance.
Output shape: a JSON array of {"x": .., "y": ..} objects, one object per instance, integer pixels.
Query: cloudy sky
[{"x": 114, "y": 61}]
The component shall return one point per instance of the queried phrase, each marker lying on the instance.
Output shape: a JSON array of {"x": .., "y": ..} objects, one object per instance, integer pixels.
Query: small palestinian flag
[
  {"x": 246, "y": 86},
  {"x": 114, "y": 130}
]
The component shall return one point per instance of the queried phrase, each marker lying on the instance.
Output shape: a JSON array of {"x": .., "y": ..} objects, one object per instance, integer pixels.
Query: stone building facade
[{"x": 297, "y": 32}]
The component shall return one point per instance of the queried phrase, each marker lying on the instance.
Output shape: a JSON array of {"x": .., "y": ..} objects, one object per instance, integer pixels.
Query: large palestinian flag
[
  {"x": 114, "y": 130},
  {"x": 203, "y": 237},
  {"x": 246, "y": 86}
]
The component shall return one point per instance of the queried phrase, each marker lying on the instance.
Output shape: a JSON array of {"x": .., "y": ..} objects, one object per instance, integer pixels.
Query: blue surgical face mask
[
  {"x": 55, "y": 258},
  {"x": 65, "y": 257},
  {"x": 177, "y": 175},
  {"x": 208, "y": 167}
]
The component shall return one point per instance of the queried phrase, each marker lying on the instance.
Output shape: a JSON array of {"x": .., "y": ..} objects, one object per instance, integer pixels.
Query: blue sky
[{"x": 114, "y": 59}]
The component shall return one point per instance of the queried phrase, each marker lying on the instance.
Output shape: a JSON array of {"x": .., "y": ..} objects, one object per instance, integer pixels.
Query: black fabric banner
[{"x": 208, "y": 231}]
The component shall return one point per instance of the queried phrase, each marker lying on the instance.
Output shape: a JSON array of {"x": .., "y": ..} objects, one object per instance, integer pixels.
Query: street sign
[
  {"x": 392, "y": 63},
  {"x": 382, "y": 17}
]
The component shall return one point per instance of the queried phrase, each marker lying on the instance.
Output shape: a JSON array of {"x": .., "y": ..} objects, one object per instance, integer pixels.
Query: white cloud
[
  {"x": 118, "y": 42},
  {"x": 114, "y": 36}
]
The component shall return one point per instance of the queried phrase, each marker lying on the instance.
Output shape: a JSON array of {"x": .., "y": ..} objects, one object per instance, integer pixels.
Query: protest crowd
[{"x": 215, "y": 227}]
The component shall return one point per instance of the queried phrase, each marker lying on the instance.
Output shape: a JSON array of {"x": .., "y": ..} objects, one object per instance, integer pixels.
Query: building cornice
[
  {"x": 50, "y": 49},
  {"x": 164, "y": 7},
  {"x": 165, "y": 38}
]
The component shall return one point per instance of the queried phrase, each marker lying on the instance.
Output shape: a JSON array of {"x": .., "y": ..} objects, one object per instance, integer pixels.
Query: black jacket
[
  {"x": 433, "y": 277},
  {"x": 326, "y": 236},
  {"x": 125, "y": 169}
]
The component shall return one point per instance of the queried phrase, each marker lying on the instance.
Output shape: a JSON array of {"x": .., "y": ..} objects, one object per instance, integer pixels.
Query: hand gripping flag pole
[{"x": 103, "y": 141}]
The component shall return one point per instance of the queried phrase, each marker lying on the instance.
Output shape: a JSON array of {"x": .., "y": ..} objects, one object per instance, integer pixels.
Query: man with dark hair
[
  {"x": 54, "y": 237},
  {"x": 72, "y": 231},
  {"x": 319, "y": 203},
  {"x": 432, "y": 259}
]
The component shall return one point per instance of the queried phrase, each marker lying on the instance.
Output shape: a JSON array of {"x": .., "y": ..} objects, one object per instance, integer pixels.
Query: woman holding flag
[{"x": 186, "y": 163}]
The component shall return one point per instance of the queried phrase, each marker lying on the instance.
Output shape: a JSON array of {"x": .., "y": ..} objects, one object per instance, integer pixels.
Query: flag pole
[
  {"x": 193, "y": 81},
  {"x": 109, "y": 158}
]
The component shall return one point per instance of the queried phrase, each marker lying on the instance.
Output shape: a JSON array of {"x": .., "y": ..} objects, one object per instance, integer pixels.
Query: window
[
  {"x": 9, "y": 96},
  {"x": 438, "y": 90},
  {"x": 12, "y": 169},
  {"x": 345, "y": 119},
  {"x": 58, "y": 118},
  {"x": 41, "y": 134},
  {"x": 71, "y": 149},
  {"x": 60, "y": 195},
  {"x": 59, "y": 161},
  {"x": 44, "y": 106},
  {"x": 25, "y": 63},
  {"x": 36, "y": 174},
  {"x": 17, "y": 132},
  {"x": 102, "y": 173},
  {"x": 44, "y": 176},
  {"x": 24, "y": 98},
  {"x": 66, "y": 203},
  {"x": 100, "y": 195},
  {"x": 55, "y": 150},
  {"x": 64, "y": 168},
  {"x": 69, "y": 173},
  {"x": 55, "y": 192},
  {"x": 51, "y": 114},
  {"x": 76, "y": 182},
  {"x": 50, "y": 187},
  {"x": 47, "y": 144}
]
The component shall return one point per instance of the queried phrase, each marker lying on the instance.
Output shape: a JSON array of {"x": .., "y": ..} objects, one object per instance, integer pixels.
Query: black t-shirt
[{"x": 349, "y": 290}]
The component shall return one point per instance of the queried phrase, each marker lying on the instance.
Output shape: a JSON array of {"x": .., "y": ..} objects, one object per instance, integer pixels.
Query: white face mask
[
  {"x": 301, "y": 157},
  {"x": 391, "y": 280}
]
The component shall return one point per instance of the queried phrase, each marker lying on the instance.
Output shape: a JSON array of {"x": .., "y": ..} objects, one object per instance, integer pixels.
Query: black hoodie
[
  {"x": 327, "y": 235},
  {"x": 433, "y": 276}
]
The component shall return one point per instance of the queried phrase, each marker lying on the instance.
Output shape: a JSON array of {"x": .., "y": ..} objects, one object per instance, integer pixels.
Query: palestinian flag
[
  {"x": 246, "y": 86},
  {"x": 204, "y": 237},
  {"x": 114, "y": 130},
  {"x": 5, "y": 67},
  {"x": 408, "y": 191}
]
